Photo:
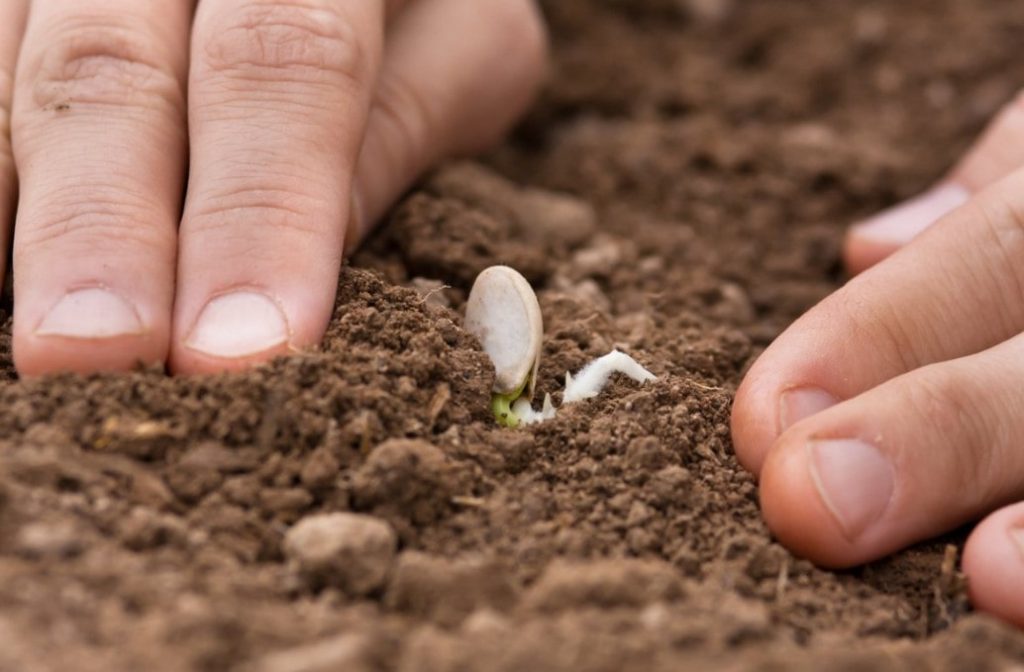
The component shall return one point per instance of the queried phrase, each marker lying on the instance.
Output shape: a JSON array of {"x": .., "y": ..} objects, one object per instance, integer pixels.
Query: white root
[
  {"x": 593, "y": 377},
  {"x": 586, "y": 384}
]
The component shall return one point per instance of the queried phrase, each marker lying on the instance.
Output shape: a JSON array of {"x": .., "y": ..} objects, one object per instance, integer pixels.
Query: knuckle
[
  {"x": 1003, "y": 221},
  {"x": 97, "y": 228},
  {"x": 94, "y": 63},
  {"x": 285, "y": 40},
  {"x": 233, "y": 212},
  {"x": 871, "y": 317}
]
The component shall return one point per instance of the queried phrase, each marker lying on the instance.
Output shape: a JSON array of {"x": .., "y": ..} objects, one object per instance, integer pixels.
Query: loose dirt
[{"x": 680, "y": 193}]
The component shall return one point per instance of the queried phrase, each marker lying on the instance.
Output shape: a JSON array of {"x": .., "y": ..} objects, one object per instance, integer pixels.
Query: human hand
[
  {"x": 306, "y": 119},
  {"x": 894, "y": 410}
]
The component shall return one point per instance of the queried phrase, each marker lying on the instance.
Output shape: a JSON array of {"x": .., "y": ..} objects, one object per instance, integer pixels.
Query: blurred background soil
[{"x": 680, "y": 192}]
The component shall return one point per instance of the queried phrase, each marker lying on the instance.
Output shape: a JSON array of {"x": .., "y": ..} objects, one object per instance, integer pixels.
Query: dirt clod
[{"x": 344, "y": 550}]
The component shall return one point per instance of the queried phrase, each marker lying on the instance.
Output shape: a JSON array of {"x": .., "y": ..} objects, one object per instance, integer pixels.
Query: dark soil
[{"x": 680, "y": 193}]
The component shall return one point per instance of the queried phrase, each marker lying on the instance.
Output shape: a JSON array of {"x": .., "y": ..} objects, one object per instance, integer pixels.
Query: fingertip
[
  {"x": 187, "y": 362},
  {"x": 86, "y": 330},
  {"x": 795, "y": 512},
  {"x": 246, "y": 326},
  {"x": 994, "y": 565},
  {"x": 38, "y": 356},
  {"x": 753, "y": 422},
  {"x": 861, "y": 253},
  {"x": 766, "y": 405}
]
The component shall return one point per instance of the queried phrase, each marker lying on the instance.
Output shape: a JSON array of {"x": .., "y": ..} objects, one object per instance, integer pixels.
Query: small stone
[
  {"x": 556, "y": 217},
  {"x": 48, "y": 540},
  {"x": 599, "y": 259},
  {"x": 343, "y": 550},
  {"x": 349, "y": 652}
]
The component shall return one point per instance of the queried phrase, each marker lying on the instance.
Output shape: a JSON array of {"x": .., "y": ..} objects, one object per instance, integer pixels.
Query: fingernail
[
  {"x": 1017, "y": 537},
  {"x": 802, "y": 402},
  {"x": 239, "y": 324},
  {"x": 91, "y": 313},
  {"x": 902, "y": 223},
  {"x": 854, "y": 479}
]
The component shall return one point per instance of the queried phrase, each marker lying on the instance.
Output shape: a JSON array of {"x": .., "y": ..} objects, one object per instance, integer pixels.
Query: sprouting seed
[{"x": 503, "y": 313}]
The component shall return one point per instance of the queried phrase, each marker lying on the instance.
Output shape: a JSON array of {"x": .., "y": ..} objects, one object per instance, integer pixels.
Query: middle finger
[{"x": 279, "y": 96}]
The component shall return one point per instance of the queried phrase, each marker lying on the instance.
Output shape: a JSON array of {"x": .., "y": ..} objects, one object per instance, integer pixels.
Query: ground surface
[{"x": 680, "y": 193}]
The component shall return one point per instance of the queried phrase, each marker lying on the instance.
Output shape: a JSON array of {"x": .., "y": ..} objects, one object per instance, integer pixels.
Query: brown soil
[{"x": 680, "y": 193}]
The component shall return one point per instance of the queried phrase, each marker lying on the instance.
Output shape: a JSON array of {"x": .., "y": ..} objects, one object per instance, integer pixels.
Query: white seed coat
[{"x": 503, "y": 313}]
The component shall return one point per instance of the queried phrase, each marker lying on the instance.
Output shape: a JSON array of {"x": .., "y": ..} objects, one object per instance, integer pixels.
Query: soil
[{"x": 680, "y": 192}]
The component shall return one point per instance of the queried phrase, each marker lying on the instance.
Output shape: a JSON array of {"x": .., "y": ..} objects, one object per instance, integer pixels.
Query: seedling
[{"x": 503, "y": 313}]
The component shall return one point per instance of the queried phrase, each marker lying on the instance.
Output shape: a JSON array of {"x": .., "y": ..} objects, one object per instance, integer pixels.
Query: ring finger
[{"x": 279, "y": 96}]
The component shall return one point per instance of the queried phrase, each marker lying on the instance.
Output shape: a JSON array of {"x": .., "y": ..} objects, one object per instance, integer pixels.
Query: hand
[
  {"x": 306, "y": 119},
  {"x": 894, "y": 410}
]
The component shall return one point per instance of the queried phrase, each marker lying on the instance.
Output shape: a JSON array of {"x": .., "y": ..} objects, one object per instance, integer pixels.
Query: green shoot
[{"x": 501, "y": 404}]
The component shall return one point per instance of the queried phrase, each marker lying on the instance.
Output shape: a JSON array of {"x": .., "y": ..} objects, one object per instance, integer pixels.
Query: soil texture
[{"x": 680, "y": 192}]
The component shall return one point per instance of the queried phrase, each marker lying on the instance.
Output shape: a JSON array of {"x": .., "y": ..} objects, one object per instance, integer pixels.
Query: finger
[
  {"x": 999, "y": 152},
  {"x": 279, "y": 95},
  {"x": 99, "y": 141},
  {"x": 953, "y": 292},
  {"x": 994, "y": 565},
  {"x": 12, "y": 24},
  {"x": 906, "y": 461},
  {"x": 433, "y": 103}
]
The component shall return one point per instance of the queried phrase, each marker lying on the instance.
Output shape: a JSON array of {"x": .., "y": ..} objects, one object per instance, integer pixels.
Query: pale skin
[
  {"x": 890, "y": 413},
  {"x": 894, "y": 410},
  {"x": 290, "y": 126}
]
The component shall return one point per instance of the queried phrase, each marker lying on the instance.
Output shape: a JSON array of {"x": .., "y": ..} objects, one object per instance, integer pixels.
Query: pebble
[
  {"x": 344, "y": 550},
  {"x": 48, "y": 540}
]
